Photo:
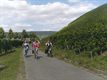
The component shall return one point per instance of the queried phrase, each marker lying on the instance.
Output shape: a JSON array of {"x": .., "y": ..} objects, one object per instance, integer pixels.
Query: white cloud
[
  {"x": 52, "y": 16},
  {"x": 74, "y": 1},
  {"x": 17, "y": 27}
]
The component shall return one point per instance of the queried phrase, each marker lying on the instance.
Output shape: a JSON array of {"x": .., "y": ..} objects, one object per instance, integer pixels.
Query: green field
[{"x": 12, "y": 63}]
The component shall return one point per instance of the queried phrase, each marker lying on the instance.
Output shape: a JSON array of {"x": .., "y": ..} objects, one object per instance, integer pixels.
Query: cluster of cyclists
[{"x": 34, "y": 47}]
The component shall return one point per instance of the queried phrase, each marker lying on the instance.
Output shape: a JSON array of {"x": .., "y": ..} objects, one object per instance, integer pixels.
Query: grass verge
[{"x": 12, "y": 63}]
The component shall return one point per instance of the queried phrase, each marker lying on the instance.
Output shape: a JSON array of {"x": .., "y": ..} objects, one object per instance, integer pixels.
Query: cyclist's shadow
[{"x": 39, "y": 57}]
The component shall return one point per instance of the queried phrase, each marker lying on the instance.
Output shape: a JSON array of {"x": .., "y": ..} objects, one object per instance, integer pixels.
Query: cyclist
[
  {"x": 36, "y": 46},
  {"x": 26, "y": 47},
  {"x": 48, "y": 49},
  {"x": 33, "y": 47}
]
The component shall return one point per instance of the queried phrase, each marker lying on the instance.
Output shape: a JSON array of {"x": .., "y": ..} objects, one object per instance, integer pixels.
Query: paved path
[{"x": 53, "y": 69}]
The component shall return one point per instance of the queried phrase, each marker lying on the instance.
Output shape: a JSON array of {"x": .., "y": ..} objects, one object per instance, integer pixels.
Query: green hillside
[
  {"x": 89, "y": 20},
  {"x": 87, "y": 33}
]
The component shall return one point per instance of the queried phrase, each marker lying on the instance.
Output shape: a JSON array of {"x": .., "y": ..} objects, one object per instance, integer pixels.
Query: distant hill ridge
[{"x": 43, "y": 34}]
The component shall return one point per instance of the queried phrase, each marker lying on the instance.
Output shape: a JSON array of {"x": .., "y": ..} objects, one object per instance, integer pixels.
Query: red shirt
[{"x": 35, "y": 45}]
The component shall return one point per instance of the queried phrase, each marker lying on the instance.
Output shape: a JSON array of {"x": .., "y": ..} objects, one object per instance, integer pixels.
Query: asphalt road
[{"x": 46, "y": 68}]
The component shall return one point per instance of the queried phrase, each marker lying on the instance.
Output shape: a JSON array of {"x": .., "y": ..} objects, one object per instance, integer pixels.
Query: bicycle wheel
[{"x": 36, "y": 54}]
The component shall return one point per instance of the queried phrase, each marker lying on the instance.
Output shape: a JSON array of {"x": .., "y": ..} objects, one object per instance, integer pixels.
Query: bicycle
[
  {"x": 36, "y": 53},
  {"x": 49, "y": 53},
  {"x": 26, "y": 50}
]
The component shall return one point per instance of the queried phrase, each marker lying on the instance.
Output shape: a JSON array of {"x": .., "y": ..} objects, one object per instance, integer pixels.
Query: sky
[{"x": 43, "y": 15}]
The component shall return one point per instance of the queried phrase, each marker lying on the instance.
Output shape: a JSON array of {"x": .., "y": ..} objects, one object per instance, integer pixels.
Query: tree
[
  {"x": 2, "y": 33},
  {"x": 33, "y": 35},
  {"x": 19, "y": 35},
  {"x": 16, "y": 35},
  {"x": 24, "y": 34},
  {"x": 10, "y": 34}
]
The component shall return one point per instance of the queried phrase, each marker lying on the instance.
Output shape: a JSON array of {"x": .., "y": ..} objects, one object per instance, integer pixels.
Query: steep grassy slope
[
  {"x": 89, "y": 20},
  {"x": 87, "y": 33}
]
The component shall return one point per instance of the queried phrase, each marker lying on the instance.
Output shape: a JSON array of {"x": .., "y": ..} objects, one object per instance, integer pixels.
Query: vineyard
[
  {"x": 8, "y": 45},
  {"x": 88, "y": 33},
  {"x": 11, "y": 40}
]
